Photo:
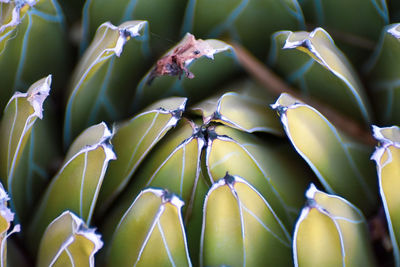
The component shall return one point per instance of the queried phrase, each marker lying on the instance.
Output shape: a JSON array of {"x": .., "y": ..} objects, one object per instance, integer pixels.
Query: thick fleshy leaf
[
  {"x": 165, "y": 20},
  {"x": 67, "y": 241},
  {"x": 331, "y": 232},
  {"x": 99, "y": 88},
  {"x": 193, "y": 216},
  {"x": 387, "y": 158},
  {"x": 384, "y": 76},
  {"x": 244, "y": 109},
  {"x": 241, "y": 229},
  {"x": 19, "y": 117},
  {"x": 270, "y": 166},
  {"x": 6, "y": 218},
  {"x": 24, "y": 56},
  {"x": 356, "y": 24},
  {"x": 77, "y": 184},
  {"x": 319, "y": 69},
  {"x": 150, "y": 232},
  {"x": 250, "y": 22},
  {"x": 133, "y": 140},
  {"x": 341, "y": 164},
  {"x": 173, "y": 164},
  {"x": 193, "y": 58}
]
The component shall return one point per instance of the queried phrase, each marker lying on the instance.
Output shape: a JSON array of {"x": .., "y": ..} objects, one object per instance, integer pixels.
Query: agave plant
[{"x": 205, "y": 133}]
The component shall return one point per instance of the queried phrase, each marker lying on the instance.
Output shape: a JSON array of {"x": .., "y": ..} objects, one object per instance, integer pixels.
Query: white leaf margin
[
  {"x": 294, "y": 103},
  {"x": 109, "y": 155},
  {"x": 166, "y": 197},
  {"x": 384, "y": 144},
  {"x": 310, "y": 194},
  {"x": 8, "y": 215},
  {"x": 287, "y": 209},
  {"x": 78, "y": 227},
  {"x": 16, "y": 17},
  {"x": 126, "y": 30},
  {"x": 36, "y": 95},
  {"x": 224, "y": 182},
  {"x": 172, "y": 122},
  {"x": 352, "y": 82}
]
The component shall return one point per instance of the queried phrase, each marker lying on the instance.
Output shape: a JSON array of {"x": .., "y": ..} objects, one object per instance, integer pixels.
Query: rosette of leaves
[{"x": 172, "y": 152}]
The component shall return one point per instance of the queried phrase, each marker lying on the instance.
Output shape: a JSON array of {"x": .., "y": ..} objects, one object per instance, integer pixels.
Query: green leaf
[
  {"x": 193, "y": 216},
  {"x": 207, "y": 74},
  {"x": 244, "y": 109},
  {"x": 98, "y": 89},
  {"x": 165, "y": 20},
  {"x": 24, "y": 56},
  {"x": 19, "y": 117},
  {"x": 270, "y": 166},
  {"x": 319, "y": 69},
  {"x": 150, "y": 232},
  {"x": 67, "y": 241},
  {"x": 6, "y": 218},
  {"x": 341, "y": 164},
  {"x": 174, "y": 164},
  {"x": 134, "y": 139},
  {"x": 357, "y": 23},
  {"x": 331, "y": 232},
  {"x": 387, "y": 158},
  {"x": 240, "y": 228},
  {"x": 82, "y": 174},
  {"x": 250, "y": 22},
  {"x": 384, "y": 77}
]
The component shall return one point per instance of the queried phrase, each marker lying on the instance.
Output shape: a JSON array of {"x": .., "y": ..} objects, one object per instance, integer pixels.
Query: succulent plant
[{"x": 183, "y": 132}]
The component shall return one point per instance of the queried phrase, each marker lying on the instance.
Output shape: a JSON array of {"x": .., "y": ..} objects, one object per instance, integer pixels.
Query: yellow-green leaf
[
  {"x": 341, "y": 164},
  {"x": 15, "y": 133},
  {"x": 331, "y": 232},
  {"x": 165, "y": 20},
  {"x": 134, "y": 139},
  {"x": 6, "y": 218},
  {"x": 174, "y": 164},
  {"x": 98, "y": 88},
  {"x": 150, "y": 232},
  {"x": 357, "y": 23},
  {"x": 67, "y": 241},
  {"x": 387, "y": 158},
  {"x": 268, "y": 165},
  {"x": 77, "y": 184},
  {"x": 240, "y": 228},
  {"x": 244, "y": 109},
  {"x": 319, "y": 69},
  {"x": 24, "y": 55}
]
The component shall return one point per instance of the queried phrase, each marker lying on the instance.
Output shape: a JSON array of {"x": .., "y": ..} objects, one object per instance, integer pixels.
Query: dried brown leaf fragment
[{"x": 174, "y": 62}]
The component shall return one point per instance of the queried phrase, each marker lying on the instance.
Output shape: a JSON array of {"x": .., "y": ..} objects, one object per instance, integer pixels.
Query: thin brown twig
[{"x": 276, "y": 85}]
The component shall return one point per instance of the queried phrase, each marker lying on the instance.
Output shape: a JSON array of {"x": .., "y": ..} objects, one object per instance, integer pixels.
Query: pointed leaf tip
[
  {"x": 151, "y": 232},
  {"x": 67, "y": 240},
  {"x": 126, "y": 31},
  {"x": 329, "y": 222}
]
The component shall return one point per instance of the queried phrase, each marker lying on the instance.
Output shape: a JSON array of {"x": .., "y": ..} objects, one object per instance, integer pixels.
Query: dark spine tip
[
  {"x": 167, "y": 196},
  {"x": 229, "y": 179},
  {"x": 281, "y": 110}
]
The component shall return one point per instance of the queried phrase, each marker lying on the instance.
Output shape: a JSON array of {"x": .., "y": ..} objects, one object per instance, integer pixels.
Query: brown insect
[{"x": 174, "y": 63}]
